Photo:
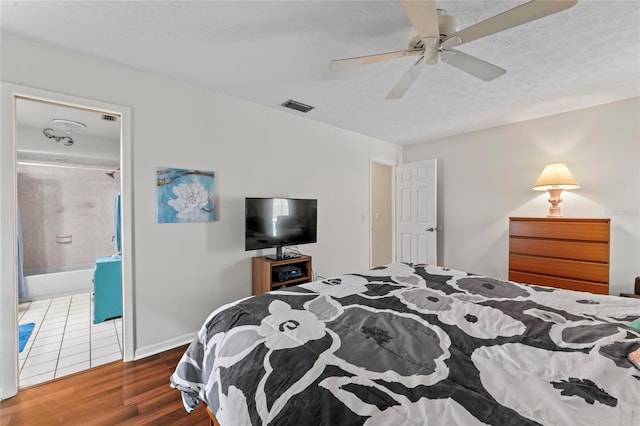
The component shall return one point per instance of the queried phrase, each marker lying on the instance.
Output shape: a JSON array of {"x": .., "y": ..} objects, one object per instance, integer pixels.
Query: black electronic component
[{"x": 285, "y": 273}]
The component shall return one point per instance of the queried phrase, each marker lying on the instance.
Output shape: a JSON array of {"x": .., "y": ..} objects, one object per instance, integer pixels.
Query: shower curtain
[
  {"x": 117, "y": 238},
  {"x": 21, "y": 290}
]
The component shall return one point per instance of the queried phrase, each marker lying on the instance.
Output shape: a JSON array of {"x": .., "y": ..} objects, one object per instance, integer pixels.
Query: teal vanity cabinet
[{"x": 107, "y": 288}]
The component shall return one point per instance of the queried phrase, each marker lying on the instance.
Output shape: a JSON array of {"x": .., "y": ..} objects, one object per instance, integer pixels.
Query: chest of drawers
[{"x": 569, "y": 253}]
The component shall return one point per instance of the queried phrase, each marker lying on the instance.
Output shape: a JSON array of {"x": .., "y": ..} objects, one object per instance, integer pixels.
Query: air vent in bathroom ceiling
[{"x": 108, "y": 117}]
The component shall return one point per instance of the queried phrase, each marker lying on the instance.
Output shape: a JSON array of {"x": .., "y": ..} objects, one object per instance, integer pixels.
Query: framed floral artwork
[{"x": 185, "y": 195}]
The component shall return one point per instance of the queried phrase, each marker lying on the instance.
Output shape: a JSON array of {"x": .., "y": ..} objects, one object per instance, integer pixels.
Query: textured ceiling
[{"x": 270, "y": 51}]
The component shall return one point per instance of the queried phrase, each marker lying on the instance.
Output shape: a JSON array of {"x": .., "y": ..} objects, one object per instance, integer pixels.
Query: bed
[{"x": 416, "y": 345}]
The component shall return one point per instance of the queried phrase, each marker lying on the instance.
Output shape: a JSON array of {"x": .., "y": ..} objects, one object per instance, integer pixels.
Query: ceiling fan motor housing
[{"x": 447, "y": 24}]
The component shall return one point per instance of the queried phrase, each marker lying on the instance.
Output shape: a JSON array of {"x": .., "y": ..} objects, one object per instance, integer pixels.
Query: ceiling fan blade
[
  {"x": 519, "y": 15},
  {"x": 341, "y": 64},
  {"x": 423, "y": 17},
  {"x": 406, "y": 81},
  {"x": 472, "y": 65}
]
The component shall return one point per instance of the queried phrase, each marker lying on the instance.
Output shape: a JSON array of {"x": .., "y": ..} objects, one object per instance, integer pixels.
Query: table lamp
[{"x": 554, "y": 178}]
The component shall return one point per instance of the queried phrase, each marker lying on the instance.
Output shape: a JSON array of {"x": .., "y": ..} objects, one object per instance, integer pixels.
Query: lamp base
[
  {"x": 554, "y": 212},
  {"x": 554, "y": 199}
]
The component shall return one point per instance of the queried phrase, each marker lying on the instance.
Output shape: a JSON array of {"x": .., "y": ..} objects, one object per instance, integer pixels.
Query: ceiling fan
[{"x": 438, "y": 33}]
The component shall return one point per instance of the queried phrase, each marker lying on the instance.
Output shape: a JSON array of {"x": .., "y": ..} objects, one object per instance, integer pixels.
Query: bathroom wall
[{"x": 58, "y": 201}]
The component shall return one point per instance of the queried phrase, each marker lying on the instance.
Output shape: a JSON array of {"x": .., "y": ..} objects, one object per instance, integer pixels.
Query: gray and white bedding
[{"x": 416, "y": 345}]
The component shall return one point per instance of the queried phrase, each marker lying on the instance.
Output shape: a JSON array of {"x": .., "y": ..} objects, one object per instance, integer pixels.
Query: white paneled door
[{"x": 416, "y": 212}]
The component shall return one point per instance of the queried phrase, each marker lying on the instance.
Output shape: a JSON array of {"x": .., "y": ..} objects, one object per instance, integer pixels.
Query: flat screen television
[{"x": 279, "y": 222}]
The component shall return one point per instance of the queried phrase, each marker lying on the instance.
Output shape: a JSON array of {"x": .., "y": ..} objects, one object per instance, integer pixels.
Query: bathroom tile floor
[{"x": 64, "y": 339}]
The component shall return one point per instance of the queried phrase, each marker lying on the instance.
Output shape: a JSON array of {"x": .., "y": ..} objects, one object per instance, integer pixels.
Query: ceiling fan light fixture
[{"x": 68, "y": 125}]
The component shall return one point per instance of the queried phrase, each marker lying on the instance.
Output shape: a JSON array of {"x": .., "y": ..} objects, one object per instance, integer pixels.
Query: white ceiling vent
[
  {"x": 298, "y": 106},
  {"x": 108, "y": 117}
]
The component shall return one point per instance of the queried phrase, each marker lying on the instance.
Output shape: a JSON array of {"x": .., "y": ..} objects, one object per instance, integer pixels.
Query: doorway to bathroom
[
  {"x": 68, "y": 189},
  {"x": 69, "y": 234}
]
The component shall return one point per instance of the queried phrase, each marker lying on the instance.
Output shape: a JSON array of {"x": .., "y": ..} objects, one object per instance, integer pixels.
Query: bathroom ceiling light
[{"x": 68, "y": 125}]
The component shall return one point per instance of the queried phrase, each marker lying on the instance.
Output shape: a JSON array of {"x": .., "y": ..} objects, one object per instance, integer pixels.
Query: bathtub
[{"x": 72, "y": 280}]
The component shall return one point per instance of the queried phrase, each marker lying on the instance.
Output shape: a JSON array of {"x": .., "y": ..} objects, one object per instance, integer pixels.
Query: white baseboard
[{"x": 163, "y": 346}]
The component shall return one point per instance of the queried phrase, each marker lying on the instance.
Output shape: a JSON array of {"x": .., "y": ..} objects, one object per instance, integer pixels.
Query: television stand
[{"x": 262, "y": 272}]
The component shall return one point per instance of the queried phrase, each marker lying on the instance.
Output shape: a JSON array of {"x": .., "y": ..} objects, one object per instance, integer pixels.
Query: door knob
[{"x": 432, "y": 229}]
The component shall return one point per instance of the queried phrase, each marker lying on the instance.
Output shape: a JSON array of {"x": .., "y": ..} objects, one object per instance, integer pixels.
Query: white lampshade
[{"x": 555, "y": 176}]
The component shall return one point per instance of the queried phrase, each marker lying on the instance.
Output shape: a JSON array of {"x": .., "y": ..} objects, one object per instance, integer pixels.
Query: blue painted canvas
[{"x": 185, "y": 195}]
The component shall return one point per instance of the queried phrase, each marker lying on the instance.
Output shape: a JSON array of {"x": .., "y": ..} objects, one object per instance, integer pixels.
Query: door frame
[
  {"x": 9, "y": 92},
  {"x": 393, "y": 165}
]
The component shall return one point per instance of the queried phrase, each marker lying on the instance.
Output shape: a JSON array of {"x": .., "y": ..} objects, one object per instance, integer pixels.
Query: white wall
[
  {"x": 486, "y": 176},
  {"x": 184, "y": 271}
]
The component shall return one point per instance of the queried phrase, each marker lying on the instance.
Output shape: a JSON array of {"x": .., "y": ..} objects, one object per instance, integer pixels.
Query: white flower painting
[{"x": 185, "y": 195}]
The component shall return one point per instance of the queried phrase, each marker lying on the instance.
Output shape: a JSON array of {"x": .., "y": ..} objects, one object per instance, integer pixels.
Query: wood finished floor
[{"x": 133, "y": 393}]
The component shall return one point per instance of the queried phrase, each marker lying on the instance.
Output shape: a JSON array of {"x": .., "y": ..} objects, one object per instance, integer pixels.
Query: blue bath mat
[{"x": 24, "y": 331}]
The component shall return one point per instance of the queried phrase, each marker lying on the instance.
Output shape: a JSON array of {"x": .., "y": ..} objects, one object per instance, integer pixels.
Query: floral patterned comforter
[{"x": 416, "y": 345}]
